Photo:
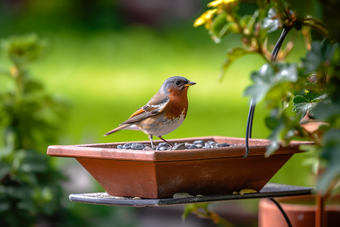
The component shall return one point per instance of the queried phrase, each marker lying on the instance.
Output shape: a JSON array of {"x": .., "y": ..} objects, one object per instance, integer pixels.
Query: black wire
[
  {"x": 252, "y": 111},
  {"x": 249, "y": 125},
  {"x": 282, "y": 211},
  {"x": 279, "y": 43},
  {"x": 253, "y": 103}
]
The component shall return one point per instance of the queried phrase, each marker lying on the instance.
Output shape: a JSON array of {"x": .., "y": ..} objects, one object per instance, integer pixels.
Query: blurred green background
[{"x": 108, "y": 58}]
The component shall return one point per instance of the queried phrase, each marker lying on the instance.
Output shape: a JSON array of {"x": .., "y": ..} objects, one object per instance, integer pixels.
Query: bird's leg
[
  {"x": 150, "y": 138},
  {"x": 171, "y": 145}
]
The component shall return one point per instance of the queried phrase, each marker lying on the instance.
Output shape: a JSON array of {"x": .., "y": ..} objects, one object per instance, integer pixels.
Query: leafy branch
[{"x": 311, "y": 86}]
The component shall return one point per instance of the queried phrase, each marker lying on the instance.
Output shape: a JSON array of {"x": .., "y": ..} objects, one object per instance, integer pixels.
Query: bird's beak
[{"x": 189, "y": 84}]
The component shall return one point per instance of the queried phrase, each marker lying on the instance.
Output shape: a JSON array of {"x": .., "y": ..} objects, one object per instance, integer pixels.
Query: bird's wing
[{"x": 152, "y": 108}]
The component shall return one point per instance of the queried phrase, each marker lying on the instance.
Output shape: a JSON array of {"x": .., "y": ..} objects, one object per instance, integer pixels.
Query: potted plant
[{"x": 302, "y": 96}]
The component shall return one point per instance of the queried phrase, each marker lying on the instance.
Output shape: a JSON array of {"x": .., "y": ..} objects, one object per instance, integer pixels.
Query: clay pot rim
[
  {"x": 105, "y": 150},
  {"x": 296, "y": 206}
]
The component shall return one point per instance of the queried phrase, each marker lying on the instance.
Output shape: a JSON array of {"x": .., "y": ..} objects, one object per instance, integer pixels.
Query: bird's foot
[{"x": 170, "y": 144}]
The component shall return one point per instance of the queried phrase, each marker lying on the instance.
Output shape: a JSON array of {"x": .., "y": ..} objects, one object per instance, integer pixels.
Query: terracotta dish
[{"x": 160, "y": 174}]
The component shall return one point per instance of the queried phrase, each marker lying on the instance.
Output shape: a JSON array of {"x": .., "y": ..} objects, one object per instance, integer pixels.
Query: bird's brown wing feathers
[
  {"x": 147, "y": 111},
  {"x": 116, "y": 130},
  {"x": 152, "y": 108}
]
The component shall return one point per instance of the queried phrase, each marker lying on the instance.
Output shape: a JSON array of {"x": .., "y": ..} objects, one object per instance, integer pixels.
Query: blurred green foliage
[
  {"x": 31, "y": 192},
  {"x": 30, "y": 186}
]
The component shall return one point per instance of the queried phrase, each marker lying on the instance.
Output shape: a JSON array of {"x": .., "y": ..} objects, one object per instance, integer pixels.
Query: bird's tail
[{"x": 116, "y": 129}]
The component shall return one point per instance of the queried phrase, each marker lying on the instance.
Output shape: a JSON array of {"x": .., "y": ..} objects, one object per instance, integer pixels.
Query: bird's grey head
[{"x": 176, "y": 82}]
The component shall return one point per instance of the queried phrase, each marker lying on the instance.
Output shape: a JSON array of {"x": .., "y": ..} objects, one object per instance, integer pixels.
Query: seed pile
[{"x": 197, "y": 144}]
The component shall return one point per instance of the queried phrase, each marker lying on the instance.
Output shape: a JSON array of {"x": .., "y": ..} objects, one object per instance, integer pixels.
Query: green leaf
[
  {"x": 230, "y": 27},
  {"x": 5, "y": 169},
  {"x": 221, "y": 27},
  {"x": 188, "y": 209},
  {"x": 325, "y": 111},
  {"x": 274, "y": 145},
  {"x": 263, "y": 35},
  {"x": 301, "y": 108},
  {"x": 29, "y": 205},
  {"x": 4, "y": 206},
  {"x": 271, "y": 122},
  {"x": 275, "y": 134},
  {"x": 270, "y": 84},
  {"x": 29, "y": 178},
  {"x": 262, "y": 82},
  {"x": 308, "y": 100},
  {"x": 282, "y": 128},
  {"x": 271, "y": 23},
  {"x": 299, "y": 99},
  {"x": 287, "y": 72},
  {"x": 33, "y": 162},
  {"x": 24, "y": 49},
  {"x": 17, "y": 192},
  {"x": 319, "y": 57},
  {"x": 232, "y": 55},
  {"x": 218, "y": 24},
  {"x": 5, "y": 153},
  {"x": 247, "y": 22},
  {"x": 32, "y": 86}
]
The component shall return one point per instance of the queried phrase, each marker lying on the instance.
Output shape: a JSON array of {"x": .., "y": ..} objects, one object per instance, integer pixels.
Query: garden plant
[
  {"x": 30, "y": 119},
  {"x": 296, "y": 93}
]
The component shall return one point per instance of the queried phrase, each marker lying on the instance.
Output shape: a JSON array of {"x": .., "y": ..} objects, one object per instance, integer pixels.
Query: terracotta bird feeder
[{"x": 161, "y": 174}]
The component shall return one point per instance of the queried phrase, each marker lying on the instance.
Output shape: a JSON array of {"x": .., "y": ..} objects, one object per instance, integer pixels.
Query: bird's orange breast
[{"x": 177, "y": 104}]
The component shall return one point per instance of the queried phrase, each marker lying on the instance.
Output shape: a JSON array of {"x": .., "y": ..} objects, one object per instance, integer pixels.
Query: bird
[{"x": 163, "y": 113}]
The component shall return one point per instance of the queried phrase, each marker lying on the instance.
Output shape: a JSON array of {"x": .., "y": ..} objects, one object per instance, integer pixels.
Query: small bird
[{"x": 164, "y": 112}]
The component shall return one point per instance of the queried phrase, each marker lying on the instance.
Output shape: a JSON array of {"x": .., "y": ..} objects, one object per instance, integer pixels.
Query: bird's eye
[{"x": 178, "y": 82}]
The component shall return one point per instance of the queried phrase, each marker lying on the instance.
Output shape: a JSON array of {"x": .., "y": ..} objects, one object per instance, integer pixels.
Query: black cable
[
  {"x": 253, "y": 103},
  {"x": 252, "y": 110},
  {"x": 279, "y": 43},
  {"x": 282, "y": 211},
  {"x": 249, "y": 125}
]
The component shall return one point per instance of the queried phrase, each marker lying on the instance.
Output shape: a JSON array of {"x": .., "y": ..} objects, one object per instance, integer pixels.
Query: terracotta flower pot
[
  {"x": 300, "y": 211},
  {"x": 160, "y": 174}
]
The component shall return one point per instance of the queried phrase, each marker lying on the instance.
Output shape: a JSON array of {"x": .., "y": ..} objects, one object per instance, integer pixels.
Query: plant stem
[
  {"x": 17, "y": 74},
  {"x": 268, "y": 61},
  {"x": 315, "y": 21},
  {"x": 214, "y": 217},
  {"x": 316, "y": 27},
  {"x": 281, "y": 8}
]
